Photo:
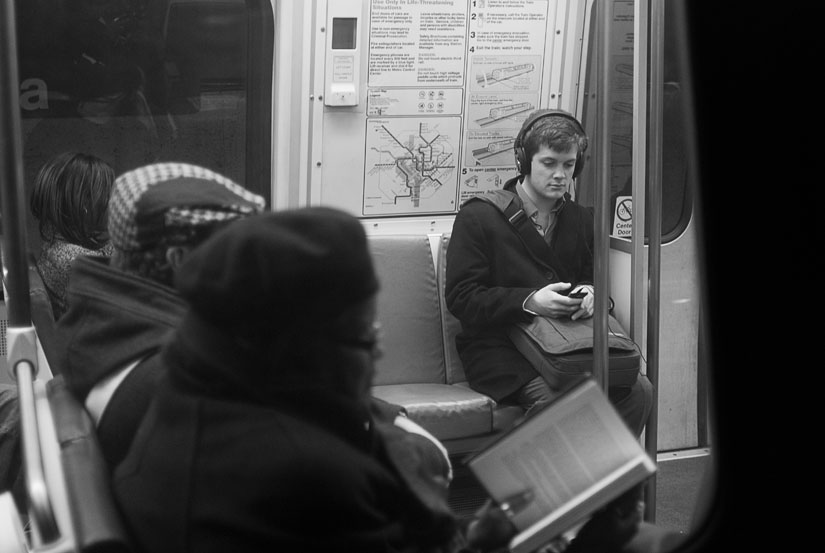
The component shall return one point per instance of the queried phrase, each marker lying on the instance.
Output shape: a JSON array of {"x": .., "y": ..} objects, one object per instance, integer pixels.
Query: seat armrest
[{"x": 94, "y": 513}]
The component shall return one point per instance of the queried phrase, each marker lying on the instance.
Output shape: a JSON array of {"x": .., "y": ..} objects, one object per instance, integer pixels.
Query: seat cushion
[{"x": 444, "y": 410}]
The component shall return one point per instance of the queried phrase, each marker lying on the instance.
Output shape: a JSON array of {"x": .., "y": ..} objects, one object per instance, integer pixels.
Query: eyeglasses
[{"x": 369, "y": 342}]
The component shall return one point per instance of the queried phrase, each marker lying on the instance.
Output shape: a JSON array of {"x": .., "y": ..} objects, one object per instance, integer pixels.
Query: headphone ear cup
[
  {"x": 579, "y": 165},
  {"x": 522, "y": 164}
]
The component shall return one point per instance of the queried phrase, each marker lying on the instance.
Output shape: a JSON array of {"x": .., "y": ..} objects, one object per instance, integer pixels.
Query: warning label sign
[{"x": 623, "y": 218}]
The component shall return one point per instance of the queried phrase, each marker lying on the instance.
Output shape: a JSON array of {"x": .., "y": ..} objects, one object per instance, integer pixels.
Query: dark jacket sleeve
[{"x": 475, "y": 290}]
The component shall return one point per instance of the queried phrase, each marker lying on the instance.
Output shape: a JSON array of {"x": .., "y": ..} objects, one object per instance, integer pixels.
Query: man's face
[
  {"x": 359, "y": 341},
  {"x": 551, "y": 173}
]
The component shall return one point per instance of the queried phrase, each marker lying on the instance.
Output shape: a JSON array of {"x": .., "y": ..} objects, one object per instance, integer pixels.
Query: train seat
[
  {"x": 95, "y": 519},
  {"x": 420, "y": 369},
  {"x": 69, "y": 503},
  {"x": 447, "y": 412},
  {"x": 504, "y": 416}
]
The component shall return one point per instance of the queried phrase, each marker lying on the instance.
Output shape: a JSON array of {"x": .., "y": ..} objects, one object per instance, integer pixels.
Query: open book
[{"x": 575, "y": 454}]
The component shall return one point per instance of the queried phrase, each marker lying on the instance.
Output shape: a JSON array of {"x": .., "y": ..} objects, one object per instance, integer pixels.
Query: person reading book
[{"x": 578, "y": 460}]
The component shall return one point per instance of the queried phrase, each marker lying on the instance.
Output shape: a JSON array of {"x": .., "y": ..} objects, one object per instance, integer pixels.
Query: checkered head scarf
[{"x": 150, "y": 201}]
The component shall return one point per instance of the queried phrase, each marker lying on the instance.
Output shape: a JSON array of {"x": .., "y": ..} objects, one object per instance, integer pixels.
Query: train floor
[{"x": 679, "y": 478}]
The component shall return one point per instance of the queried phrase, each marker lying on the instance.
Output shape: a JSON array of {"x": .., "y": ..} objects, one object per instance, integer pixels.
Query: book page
[{"x": 564, "y": 453}]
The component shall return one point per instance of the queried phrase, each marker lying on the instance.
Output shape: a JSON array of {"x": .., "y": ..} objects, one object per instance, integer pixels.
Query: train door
[{"x": 682, "y": 414}]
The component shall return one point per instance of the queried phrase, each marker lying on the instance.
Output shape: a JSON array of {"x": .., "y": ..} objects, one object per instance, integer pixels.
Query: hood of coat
[{"x": 113, "y": 318}]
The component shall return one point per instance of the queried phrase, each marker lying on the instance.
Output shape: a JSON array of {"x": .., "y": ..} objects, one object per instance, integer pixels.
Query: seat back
[
  {"x": 409, "y": 310},
  {"x": 69, "y": 504},
  {"x": 451, "y": 325}
]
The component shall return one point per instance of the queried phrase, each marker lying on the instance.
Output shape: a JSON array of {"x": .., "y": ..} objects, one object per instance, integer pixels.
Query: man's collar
[{"x": 529, "y": 206}]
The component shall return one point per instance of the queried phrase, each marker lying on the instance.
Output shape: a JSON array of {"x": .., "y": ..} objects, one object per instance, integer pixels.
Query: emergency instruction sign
[
  {"x": 449, "y": 83},
  {"x": 444, "y": 89}
]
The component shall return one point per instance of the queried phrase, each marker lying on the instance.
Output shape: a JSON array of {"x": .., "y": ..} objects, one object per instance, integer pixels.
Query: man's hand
[
  {"x": 549, "y": 302},
  {"x": 492, "y": 528},
  {"x": 585, "y": 309}
]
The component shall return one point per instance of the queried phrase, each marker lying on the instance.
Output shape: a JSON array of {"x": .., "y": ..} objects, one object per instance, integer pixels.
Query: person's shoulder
[
  {"x": 498, "y": 199},
  {"x": 60, "y": 253},
  {"x": 89, "y": 271},
  {"x": 574, "y": 206}
]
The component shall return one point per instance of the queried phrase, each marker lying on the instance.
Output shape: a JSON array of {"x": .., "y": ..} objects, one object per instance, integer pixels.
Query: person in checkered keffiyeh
[
  {"x": 121, "y": 309},
  {"x": 158, "y": 212}
]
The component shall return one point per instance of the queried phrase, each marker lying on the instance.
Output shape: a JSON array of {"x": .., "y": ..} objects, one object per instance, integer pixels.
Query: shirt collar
[{"x": 529, "y": 207}]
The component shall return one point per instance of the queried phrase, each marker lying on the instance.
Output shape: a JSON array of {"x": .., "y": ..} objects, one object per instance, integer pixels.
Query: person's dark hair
[
  {"x": 70, "y": 199},
  {"x": 559, "y": 133}
]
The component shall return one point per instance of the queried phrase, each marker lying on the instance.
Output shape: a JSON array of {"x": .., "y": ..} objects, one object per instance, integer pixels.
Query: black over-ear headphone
[{"x": 522, "y": 163}]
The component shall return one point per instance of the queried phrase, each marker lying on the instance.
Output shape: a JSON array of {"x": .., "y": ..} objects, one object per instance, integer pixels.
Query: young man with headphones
[{"x": 495, "y": 280}]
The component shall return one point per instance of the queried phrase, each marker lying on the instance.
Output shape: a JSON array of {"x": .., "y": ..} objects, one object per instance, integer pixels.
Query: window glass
[
  {"x": 676, "y": 199},
  {"x": 141, "y": 81}
]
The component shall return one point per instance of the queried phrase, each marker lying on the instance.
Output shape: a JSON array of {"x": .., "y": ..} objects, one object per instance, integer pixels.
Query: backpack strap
[{"x": 510, "y": 206}]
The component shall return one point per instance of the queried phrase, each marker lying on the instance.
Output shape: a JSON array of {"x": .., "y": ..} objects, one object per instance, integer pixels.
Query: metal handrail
[
  {"x": 22, "y": 345},
  {"x": 40, "y": 506},
  {"x": 654, "y": 260},
  {"x": 645, "y": 37},
  {"x": 601, "y": 245}
]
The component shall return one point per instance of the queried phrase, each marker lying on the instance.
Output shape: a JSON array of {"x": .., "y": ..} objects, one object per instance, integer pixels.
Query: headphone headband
[{"x": 522, "y": 163}]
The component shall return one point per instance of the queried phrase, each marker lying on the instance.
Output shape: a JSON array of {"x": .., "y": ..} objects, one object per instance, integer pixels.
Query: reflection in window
[
  {"x": 140, "y": 81},
  {"x": 676, "y": 199}
]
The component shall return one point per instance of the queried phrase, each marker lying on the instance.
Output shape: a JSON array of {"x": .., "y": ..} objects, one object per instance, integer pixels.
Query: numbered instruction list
[{"x": 449, "y": 84}]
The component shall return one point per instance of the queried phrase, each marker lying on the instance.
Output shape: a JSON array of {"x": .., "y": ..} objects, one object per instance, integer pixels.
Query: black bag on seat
[{"x": 561, "y": 350}]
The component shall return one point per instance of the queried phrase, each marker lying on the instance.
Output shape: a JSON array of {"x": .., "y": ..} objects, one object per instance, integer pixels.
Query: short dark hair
[
  {"x": 70, "y": 199},
  {"x": 555, "y": 132}
]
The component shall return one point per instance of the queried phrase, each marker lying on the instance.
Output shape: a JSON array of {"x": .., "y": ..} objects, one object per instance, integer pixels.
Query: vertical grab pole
[
  {"x": 654, "y": 188},
  {"x": 22, "y": 346},
  {"x": 638, "y": 290},
  {"x": 15, "y": 263},
  {"x": 601, "y": 265}
]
